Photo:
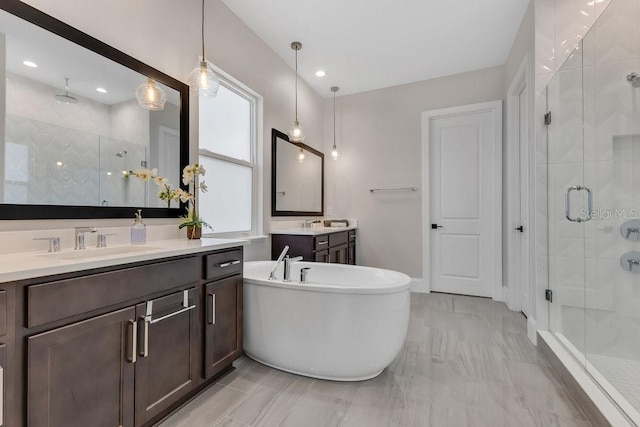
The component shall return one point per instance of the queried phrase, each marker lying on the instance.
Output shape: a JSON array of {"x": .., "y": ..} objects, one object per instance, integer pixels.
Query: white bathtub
[{"x": 347, "y": 324}]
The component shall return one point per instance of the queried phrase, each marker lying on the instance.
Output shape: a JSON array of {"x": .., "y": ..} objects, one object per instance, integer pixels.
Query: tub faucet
[
  {"x": 272, "y": 275},
  {"x": 287, "y": 267}
]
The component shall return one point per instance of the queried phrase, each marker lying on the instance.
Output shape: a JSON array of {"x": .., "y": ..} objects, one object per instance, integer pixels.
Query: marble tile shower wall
[
  {"x": 595, "y": 140},
  {"x": 49, "y": 164}
]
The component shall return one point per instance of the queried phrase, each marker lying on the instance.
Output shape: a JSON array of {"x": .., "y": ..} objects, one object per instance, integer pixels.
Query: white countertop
[
  {"x": 312, "y": 231},
  {"x": 27, "y": 265}
]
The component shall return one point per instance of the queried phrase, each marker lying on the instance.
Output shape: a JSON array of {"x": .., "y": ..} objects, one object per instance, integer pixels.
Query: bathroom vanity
[
  {"x": 116, "y": 340},
  {"x": 334, "y": 245}
]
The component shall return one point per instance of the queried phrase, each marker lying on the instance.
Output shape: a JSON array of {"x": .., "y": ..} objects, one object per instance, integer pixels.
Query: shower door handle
[{"x": 567, "y": 204}]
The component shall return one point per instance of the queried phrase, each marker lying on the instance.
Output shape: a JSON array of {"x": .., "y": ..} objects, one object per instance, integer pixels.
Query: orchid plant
[{"x": 190, "y": 175}]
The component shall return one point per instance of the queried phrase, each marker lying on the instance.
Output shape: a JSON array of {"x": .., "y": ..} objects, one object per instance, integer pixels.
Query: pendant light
[
  {"x": 301, "y": 155},
  {"x": 202, "y": 79},
  {"x": 151, "y": 96},
  {"x": 334, "y": 151},
  {"x": 296, "y": 134}
]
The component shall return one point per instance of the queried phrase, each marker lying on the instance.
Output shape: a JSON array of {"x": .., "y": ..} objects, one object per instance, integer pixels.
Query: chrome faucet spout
[
  {"x": 80, "y": 236},
  {"x": 272, "y": 275},
  {"x": 287, "y": 267}
]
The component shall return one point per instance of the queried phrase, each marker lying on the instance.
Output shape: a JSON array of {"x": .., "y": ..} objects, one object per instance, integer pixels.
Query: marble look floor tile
[
  {"x": 230, "y": 422},
  {"x": 544, "y": 419},
  {"x": 207, "y": 409},
  {"x": 341, "y": 390},
  {"x": 538, "y": 388},
  {"x": 316, "y": 409},
  {"x": 466, "y": 362}
]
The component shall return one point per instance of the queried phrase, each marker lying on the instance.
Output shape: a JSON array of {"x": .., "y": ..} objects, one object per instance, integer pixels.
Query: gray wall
[{"x": 379, "y": 136}]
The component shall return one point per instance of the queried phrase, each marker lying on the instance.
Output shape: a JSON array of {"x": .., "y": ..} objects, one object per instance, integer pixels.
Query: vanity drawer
[
  {"x": 51, "y": 301},
  {"x": 336, "y": 239},
  {"x": 321, "y": 242},
  {"x": 223, "y": 264}
]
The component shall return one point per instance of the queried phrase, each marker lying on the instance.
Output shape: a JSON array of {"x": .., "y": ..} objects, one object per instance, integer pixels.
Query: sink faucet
[
  {"x": 272, "y": 275},
  {"x": 80, "y": 236},
  {"x": 287, "y": 267}
]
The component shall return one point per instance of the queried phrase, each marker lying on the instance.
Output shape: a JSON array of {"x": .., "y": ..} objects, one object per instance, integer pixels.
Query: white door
[
  {"x": 464, "y": 167},
  {"x": 169, "y": 155}
]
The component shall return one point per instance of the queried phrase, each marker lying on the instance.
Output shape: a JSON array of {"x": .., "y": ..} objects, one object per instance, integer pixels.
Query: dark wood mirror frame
[
  {"x": 25, "y": 211},
  {"x": 275, "y": 134}
]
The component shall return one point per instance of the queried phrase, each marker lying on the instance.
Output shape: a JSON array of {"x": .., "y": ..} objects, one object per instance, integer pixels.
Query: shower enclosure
[{"x": 593, "y": 190}]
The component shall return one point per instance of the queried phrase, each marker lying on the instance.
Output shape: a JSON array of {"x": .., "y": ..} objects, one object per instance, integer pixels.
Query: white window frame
[{"x": 256, "y": 163}]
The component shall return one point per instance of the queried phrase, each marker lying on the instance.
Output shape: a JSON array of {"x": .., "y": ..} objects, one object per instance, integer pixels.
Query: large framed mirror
[
  {"x": 297, "y": 178},
  {"x": 71, "y": 125}
]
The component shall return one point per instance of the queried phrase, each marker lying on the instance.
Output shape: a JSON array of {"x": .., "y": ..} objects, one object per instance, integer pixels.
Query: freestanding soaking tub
[{"x": 346, "y": 324}]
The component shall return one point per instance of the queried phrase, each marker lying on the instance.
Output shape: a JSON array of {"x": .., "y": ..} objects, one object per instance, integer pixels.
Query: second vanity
[
  {"x": 328, "y": 244},
  {"x": 116, "y": 340}
]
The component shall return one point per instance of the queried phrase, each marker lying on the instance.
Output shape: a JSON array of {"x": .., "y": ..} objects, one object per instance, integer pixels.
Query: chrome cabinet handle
[
  {"x": 134, "y": 341},
  {"x": 144, "y": 352},
  {"x": 323, "y": 243},
  {"x": 212, "y": 318},
  {"x": 185, "y": 307},
  {"x": 227, "y": 264},
  {"x": 567, "y": 204}
]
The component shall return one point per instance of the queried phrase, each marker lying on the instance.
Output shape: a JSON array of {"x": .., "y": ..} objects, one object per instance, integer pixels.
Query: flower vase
[{"x": 194, "y": 232}]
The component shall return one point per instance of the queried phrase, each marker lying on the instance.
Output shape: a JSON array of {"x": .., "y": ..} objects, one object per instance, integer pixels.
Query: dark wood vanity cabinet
[
  {"x": 83, "y": 374},
  {"x": 338, "y": 247},
  {"x": 168, "y": 353},
  {"x": 165, "y": 330},
  {"x": 223, "y": 324}
]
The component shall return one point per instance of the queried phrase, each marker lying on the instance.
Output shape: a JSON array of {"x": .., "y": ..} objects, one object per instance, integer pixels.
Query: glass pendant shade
[
  {"x": 301, "y": 156},
  {"x": 150, "y": 96},
  {"x": 296, "y": 134},
  {"x": 335, "y": 153},
  {"x": 203, "y": 81}
]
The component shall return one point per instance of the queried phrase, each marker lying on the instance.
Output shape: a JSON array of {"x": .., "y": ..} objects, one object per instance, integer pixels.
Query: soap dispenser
[{"x": 138, "y": 230}]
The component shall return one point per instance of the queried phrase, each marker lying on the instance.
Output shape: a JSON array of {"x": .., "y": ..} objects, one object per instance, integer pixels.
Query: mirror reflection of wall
[
  {"x": 298, "y": 178},
  {"x": 72, "y": 124}
]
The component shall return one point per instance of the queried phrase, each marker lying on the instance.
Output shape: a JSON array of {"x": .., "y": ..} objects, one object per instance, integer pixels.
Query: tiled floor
[{"x": 466, "y": 362}]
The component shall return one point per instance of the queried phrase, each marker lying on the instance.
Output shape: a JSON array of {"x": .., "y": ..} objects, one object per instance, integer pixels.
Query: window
[{"x": 228, "y": 151}]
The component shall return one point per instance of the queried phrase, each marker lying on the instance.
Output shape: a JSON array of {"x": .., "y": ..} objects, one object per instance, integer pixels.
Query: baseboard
[
  {"x": 420, "y": 286},
  {"x": 532, "y": 332}
]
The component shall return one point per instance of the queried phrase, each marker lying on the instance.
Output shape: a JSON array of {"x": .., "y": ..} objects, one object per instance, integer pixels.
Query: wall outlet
[{"x": 329, "y": 211}]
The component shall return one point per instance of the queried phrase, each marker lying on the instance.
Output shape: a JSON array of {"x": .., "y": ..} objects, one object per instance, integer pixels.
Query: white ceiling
[{"x": 371, "y": 44}]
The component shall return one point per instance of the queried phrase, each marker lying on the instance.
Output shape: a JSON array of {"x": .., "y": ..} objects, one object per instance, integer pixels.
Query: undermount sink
[{"x": 99, "y": 252}]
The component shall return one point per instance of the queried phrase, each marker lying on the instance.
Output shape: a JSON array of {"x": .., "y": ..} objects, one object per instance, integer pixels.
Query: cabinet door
[
  {"x": 168, "y": 364},
  {"x": 352, "y": 254},
  {"x": 322, "y": 256},
  {"x": 82, "y": 374},
  {"x": 338, "y": 255},
  {"x": 223, "y": 324}
]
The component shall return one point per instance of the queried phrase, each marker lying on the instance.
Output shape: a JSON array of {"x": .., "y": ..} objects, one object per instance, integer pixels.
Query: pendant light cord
[
  {"x": 334, "y": 120},
  {"x": 203, "y": 30},
  {"x": 296, "y": 86}
]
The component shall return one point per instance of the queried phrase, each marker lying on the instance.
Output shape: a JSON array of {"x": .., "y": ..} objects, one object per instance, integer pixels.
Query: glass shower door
[{"x": 567, "y": 203}]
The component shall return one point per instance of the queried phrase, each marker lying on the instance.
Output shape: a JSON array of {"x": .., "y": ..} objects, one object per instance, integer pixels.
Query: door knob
[
  {"x": 436, "y": 226},
  {"x": 520, "y": 229}
]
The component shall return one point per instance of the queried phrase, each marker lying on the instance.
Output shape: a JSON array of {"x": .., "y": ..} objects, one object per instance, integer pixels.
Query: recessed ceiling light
[
  {"x": 101, "y": 90},
  {"x": 109, "y": 173},
  {"x": 30, "y": 64},
  {"x": 59, "y": 164},
  {"x": 320, "y": 73}
]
